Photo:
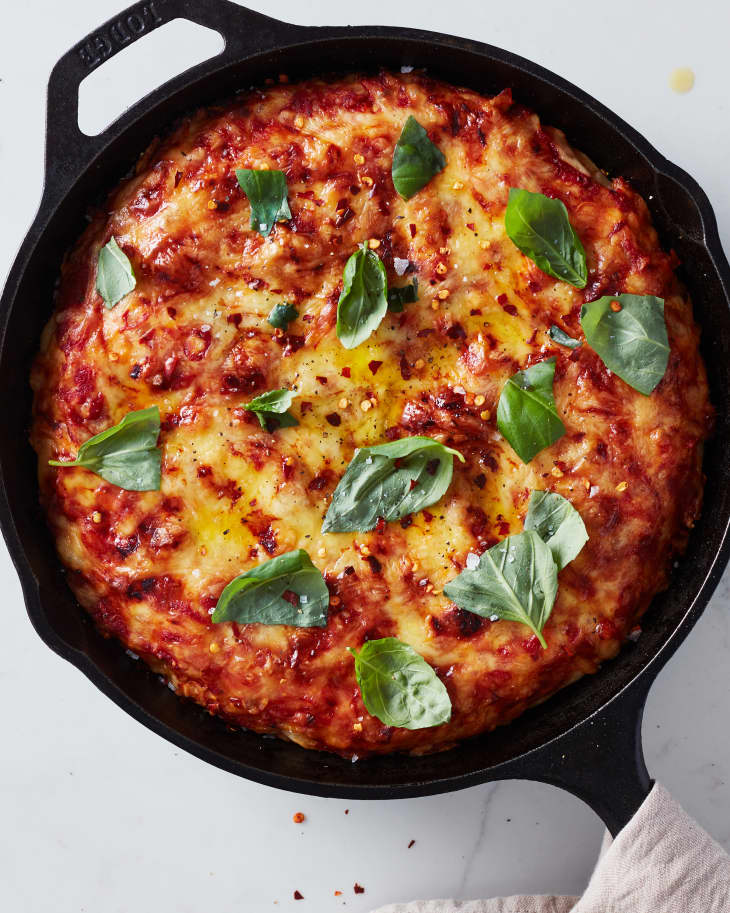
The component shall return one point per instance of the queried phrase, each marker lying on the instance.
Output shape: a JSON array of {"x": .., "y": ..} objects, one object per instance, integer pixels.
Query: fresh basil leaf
[
  {"x": 390, "y": 481},
  {"x": 562, "y": 338},
  {"x": 271, "y": 409},
  {"x": 558, "y": 524},
  {"x": 287, "y": 590},
  {"x": 114, "y": 274},
  {"x": 540, "y": 227},
  {"x": 526, "y": 413},
  {"x": 126, "y": 455},
  {"x": 399, "y": 687},
  {"x": 515, "y": 580},
  {"x": 399, "y": 297},
  {"x": 267, "y": 193},
  {"x": 415, "y": 160},
  {"x": 282, "y": 315},
  {"x": 631, "y": 341},
  {"x": 363, "y": 301}
]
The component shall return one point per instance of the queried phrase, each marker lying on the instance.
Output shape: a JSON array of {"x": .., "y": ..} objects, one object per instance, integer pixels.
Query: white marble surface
[{"x": 98, "y": 814}]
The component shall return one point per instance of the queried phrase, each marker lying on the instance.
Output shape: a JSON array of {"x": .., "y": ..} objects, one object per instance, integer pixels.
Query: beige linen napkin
[{"x": 661, "y": 862}]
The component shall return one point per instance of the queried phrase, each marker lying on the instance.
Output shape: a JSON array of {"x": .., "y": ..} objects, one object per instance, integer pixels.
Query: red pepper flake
[
  {"x": 298, "y": 817},
  {"x": 342, "y": 216},
  {"x": 333, "y": 418},
  {"x": 374, "y": 366},
  {"x": 235, "y": 319},
  {"x": 406, "y": 521},
  {"x": 475, "y": 312},
  {"x": 321, "y": 380},
  {"x": 358, "y": 888},
  {"x": 298, "y": 895},
  {"x": 380, "y": 525},
  {"x": 347, "y": 810},
  {"x": 338, "y": 893},
  {"x": 412, "y": 228},
  {"x": 305, "y": 407},
  {"x": 345, "y": 372},
  {"x": 457, "y": 331},
  {"x": 411, "y": 844},
  {"x": 172, "y": 313},
  {"x": 470, "y": 226},
  {"x": 427, "y": 516},
  {"x": 414, "y": 482},
  {"x": 480, "y": 480}
]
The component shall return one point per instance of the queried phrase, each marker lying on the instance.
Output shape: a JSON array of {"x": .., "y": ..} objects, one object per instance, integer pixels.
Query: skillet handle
[
  {"x": 68, "y": 150},
  {"x": 601, "y": 760}
]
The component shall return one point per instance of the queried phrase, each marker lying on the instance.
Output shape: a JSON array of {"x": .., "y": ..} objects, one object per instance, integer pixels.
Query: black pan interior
[{"x": 682, "y": 217}]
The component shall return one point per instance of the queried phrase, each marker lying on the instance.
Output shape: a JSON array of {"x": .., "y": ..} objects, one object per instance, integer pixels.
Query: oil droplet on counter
[{"x": 682, "y": 79}]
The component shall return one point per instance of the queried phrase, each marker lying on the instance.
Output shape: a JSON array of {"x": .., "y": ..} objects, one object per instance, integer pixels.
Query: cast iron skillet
[{"x": 587, "y": 738}]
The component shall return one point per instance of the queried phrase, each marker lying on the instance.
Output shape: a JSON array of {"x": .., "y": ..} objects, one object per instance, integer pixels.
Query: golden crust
[{"x": 193, "y": 339}]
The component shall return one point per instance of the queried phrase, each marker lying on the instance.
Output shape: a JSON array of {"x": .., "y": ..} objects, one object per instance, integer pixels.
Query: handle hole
[{"x": 143, "y": 66}]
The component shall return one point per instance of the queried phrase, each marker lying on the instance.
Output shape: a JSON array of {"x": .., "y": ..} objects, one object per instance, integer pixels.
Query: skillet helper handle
[
  {"x": 68, "y": 150},
  {"x": 601, "y": 760}
]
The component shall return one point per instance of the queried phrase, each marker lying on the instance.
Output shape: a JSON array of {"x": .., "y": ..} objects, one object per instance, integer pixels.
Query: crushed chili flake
[
  {"x": 480, "y": 480},
  {"x": 305, "y": 407},
  {"x": 470, "y": 226},
  {"x": 475, "y": 312},
  {"x": 333, "y": 418},
  {"x": 413, "y": 484},
  {"x": 342, "y": 216},
  {"x": 427, "y": 516},
  {"x": 380, "y": 525},
  {"x": 374, "y": 366},
  {"x": 298, "y": 817},
  {"x": 358, "y": 888},
  {"x": 338, "y": 893},
  {"x": 411, "y": 844},
  {"x": 321, "y": 380},
  {"x": 412, "y": 229},
  {"x": 345, "y": 372},
  {"x": 298, "y": 895},
  {"x": 406, "y": 521}
]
